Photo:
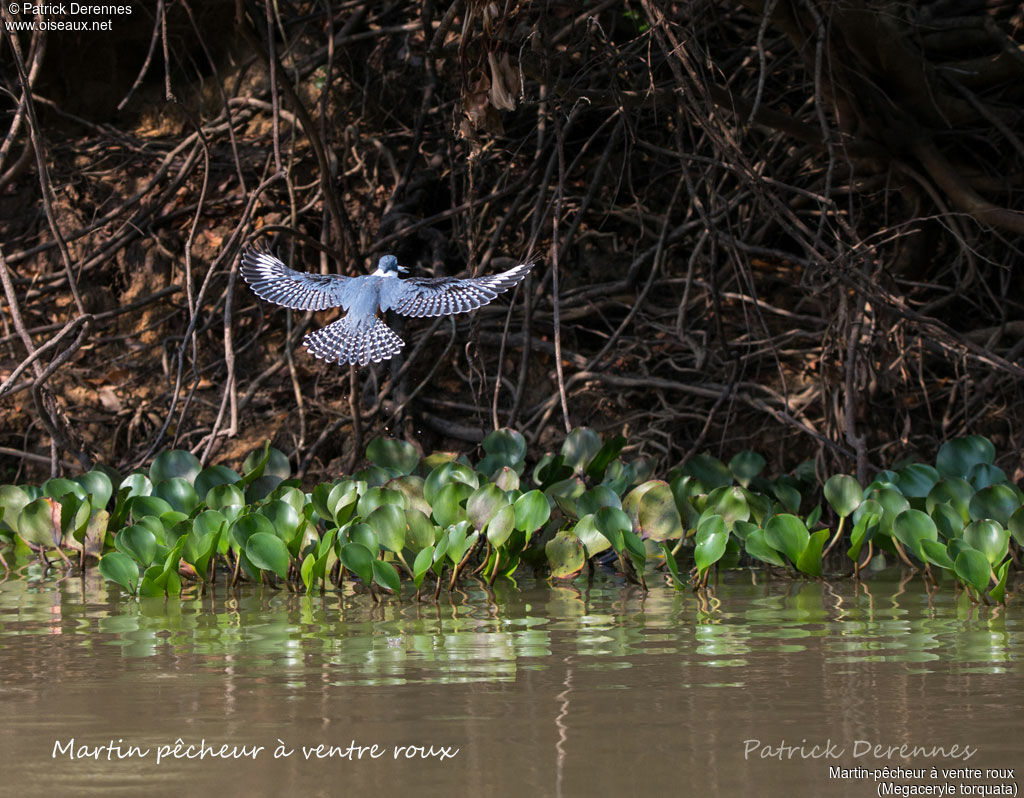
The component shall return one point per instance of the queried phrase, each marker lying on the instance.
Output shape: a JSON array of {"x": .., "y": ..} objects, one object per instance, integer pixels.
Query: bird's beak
[{"x": 402, "y": 269}]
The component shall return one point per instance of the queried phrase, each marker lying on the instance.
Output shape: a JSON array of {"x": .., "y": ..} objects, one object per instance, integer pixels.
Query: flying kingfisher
[{"x": 361, "y": 336}]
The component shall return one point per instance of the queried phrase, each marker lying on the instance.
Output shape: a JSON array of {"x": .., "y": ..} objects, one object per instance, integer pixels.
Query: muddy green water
[{"x": 540, "y": 691}]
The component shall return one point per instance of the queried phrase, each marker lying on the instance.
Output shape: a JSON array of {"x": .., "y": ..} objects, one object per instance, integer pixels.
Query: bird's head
[{"x": 388, "y": 266}]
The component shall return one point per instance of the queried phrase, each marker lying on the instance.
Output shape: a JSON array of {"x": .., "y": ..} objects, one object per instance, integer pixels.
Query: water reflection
[{"x": 475, "y": 636}]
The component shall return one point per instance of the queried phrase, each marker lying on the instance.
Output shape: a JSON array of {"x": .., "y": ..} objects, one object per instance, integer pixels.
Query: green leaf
[
  {"x": 653, "y": 512},
  {"x": 843, "y": 494},
  {"x": 447, "y": 506},
  {"x": 137, "y": 542},
  {"x": 282, "y": 517},
  {"x": 745, "y": 466},
  {"x": 580, "y": 447},
  {"x": 267, "y": 552},
  {"x": 809, "y": 561},
  {"x": 757, "y": 546},
  {"x": 245, "y": 526},
  {"x": 12, "y": 501},
  {"x": 590, "y": 536},
  {"x": 178, "y": 493},
  {"x": 916, "y": 480},
  {"x": 389, "y": 525},
  {"x": 501, "y": 525},
  {"x": 594, "y": 499},
  {"x": 58, "y": 486},
  {"x": 421, "y": 531},
  {"x": 710, "y": 471},
  {"x": 120, "y": 569},
  {"x": 948, "y": 521},
  {"x": 306, "y": 570},
  {"x": 997, "y": 502},
  {"x": 711, "y": 539},
  {"x": 446, "y": 474},
  {"x": 220, "y": 496},
  {"x": 98, "y": 486},
  {"x": 364, "y": 534},
  {"x": 913, "y": 526},
  {"x": 504, "y": 448},
  {"x": 613, "y": 523},
  {"x": 532, "y": 511},
  {"x": 385, "y": 575},
  {"x": 955, "y": 491},
  {"x": 957, "y": 457},
  {"x": 422, "y": 564},
  {"x": 606, "y": 454},
  {"x": 998, "y": 593},
  {"x": 392, "y": 453},
  {"x": 175, "y": 463},
  {"x": 39, "y": 522},
  {"x": 936, "y": 553},
  {"x": 212, "y": 477},
  {"x": 988, "y": 537},
  {"x": 983, "y": 475},
  {"x": 565, "y": 555},
  {"x": 141, "y": 506},
  {"x": 1016, "y": 525},
  {"x": 273, "y": 461},
  {"x": 138, "y": 484},
  {"x": 973, "y": 568},
  {"x": 730, "y": 502},
  {"x": 788, "y": 534},
  {"x": 483, "y": 503}
]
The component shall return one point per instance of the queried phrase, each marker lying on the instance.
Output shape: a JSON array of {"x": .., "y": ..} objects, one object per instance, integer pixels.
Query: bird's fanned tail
[{"x": 354, "y": 341}]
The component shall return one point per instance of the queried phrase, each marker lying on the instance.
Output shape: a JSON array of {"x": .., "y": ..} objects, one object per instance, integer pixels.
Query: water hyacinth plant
[{"x": 441, "y": 519}]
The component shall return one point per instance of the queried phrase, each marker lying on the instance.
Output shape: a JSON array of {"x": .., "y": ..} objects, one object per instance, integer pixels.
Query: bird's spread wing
[
  {"x": 440, "y": 296},
  {"x": 271, "y": 280}
]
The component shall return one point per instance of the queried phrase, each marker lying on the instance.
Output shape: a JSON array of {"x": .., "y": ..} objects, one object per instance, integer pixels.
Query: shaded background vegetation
[{"x": 786, "y": 226}]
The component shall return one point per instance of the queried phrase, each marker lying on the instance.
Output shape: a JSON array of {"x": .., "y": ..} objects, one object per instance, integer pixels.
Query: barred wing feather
[
  {"x": 440, "y": 296},
  {"x": 271, "y": 280}
]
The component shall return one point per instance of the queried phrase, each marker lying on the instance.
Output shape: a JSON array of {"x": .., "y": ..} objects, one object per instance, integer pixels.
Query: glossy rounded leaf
[
  {"x": 39, "y": 522},
  {"x": 267, "y": 552},
  {"x": 245, "y": 526},
  {"x": 746, "y": 465},
  {"x": 809, "y": 561},
  {"x": 141, "y": 506},
  {"x": 220, "y": 496},
  {"x": 506, "y": 478},
  {"x": 788, "y": 534},
  {"x": 388, "y": 524},
  {"x": 911, "y": 527},
  {"x": 137, "y": 542},
  {"x": 973, "y": 568},
  {"x": 711, "y": 540},
  {"x": 277, "y": 464},
  {"x": 364, "y": 534},
  {"x": 283, "y": 517},
  {"x": 957, "y": 457},
  {"x": 392, "y": 453},
  {"x": 212, "y": 477},
  {"x": 594, "y": 499},
  {"x": 983, "y": 474},
  {"x": 590, "y": 536},
  {"x": 580, "y": 447},
  {"x": 597, "y": 468},
  {"x": 916, "y": 480},
  {"x": 501, "y": 525},
  {"x": 954, "y": 491},
  {"x": 988, "y": 537},
  {"x": 565, "y": 555},
  {"x": 948, "y": 521},
  {"x": 532, "y": 511},
  {"x": 1016, "y": 525},
  {"x": 613, "y": 523},
  {"x": 483, "y": 503},
  {"x": 843, "y": 494},
  {"x": 177, "y": 492},
  {"x": 710, "y": 471},
  {"x": 446, "y": 474},
  {"x": 376, "y": 496},
  {"x": 997, "y": 502},
  {"x": 12, "y": 501},
  {"x": 757, "y": 547},
  {"x": 120, "y": 569},
  {"x": 936, "y": 553},
  {"x": 730, "y": 502},
  {"x": 138, "y": 484},
  {"x": 654, "y": 514},
  {"x": 421, "y": 532},
  {"x": 98, "y": 486},
  {"x": 58, "y": 486},
  {"x": 175, "y": 463},
  {"x": 504, "y": 448},
  {"x": 385, "y": 575},
  {"x": 447, "y": 506}
]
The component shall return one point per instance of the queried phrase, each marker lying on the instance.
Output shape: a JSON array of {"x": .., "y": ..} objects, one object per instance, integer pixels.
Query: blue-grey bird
[{"x": 361, "y": 336}]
